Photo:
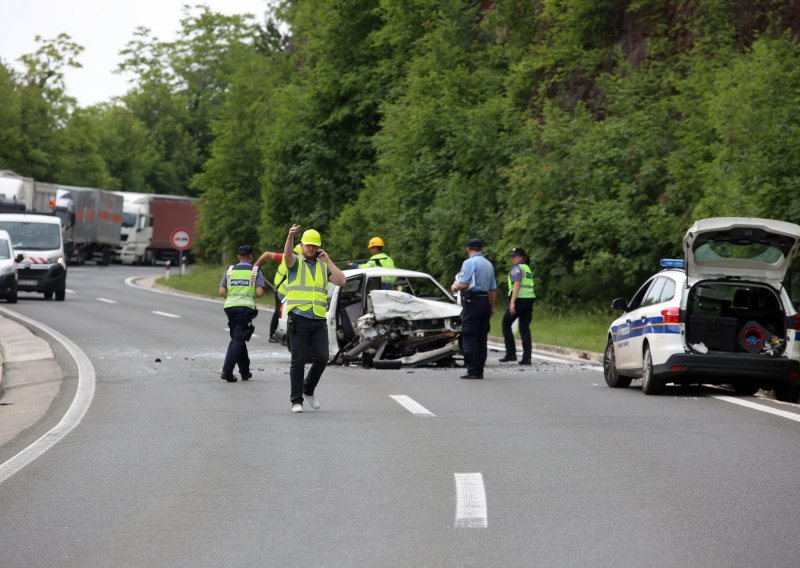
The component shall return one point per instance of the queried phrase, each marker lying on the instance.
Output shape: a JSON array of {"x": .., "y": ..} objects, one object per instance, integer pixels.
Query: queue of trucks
[{"x": 52, "y": 226}]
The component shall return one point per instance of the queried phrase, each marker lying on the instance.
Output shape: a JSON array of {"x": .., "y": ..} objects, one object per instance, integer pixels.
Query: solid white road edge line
[
  {"x": 165, "y": 314},
  {"x": 470, "y": 502},
  {"x": 73, "y": 416},
  {"x": 411, "y": 405},
  {"x": 756, "y": 406}
]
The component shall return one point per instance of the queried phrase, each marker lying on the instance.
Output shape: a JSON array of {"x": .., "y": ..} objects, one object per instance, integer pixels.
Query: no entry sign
[{"x": 181, "y": 239}]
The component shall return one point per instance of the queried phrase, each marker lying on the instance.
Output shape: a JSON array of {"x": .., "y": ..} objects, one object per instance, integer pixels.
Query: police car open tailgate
[{"x": 749, "y": 248}]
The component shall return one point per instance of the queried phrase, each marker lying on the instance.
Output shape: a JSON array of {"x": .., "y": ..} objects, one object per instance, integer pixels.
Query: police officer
[
  {"x": 478, "y": 288},
  {"x": 520, "y": 305},
  {"x": 306, "y": 301},
  {"x": 378, "y": 258},
  {"x": 240, "y": 285},
  {"x": 278, "y": 286}
]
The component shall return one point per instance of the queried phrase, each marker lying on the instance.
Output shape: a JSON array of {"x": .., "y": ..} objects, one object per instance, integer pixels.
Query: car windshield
[
  {"x": 33, "y": 236},
  {"x": 4, "y": 250},
  {"x": 420, "y": 287}
]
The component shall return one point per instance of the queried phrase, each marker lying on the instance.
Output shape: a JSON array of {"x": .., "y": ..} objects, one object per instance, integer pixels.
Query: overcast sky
[{"x": 103, "y": 28}]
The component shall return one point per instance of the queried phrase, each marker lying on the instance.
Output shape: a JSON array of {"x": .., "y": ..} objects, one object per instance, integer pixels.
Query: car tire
[
  {"x": 788, "y": 393},
  {"x": 745, "y": 390},
  {"x": 60, "y": 295},
  {"x": 651, "y": 384},
  {"x": 613, "y": 378}
]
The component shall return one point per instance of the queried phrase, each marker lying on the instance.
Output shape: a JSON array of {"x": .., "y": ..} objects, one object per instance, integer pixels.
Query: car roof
[
  {"x": 379, "y": 271},
  {"x": 44, "y": 218}
]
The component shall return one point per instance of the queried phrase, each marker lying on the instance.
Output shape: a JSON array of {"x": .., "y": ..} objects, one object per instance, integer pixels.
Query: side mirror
[{"x": 619, "y": 304}]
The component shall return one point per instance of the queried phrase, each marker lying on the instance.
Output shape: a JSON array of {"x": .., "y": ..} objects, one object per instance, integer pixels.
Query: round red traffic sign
[{"x": 181, "y": 239}]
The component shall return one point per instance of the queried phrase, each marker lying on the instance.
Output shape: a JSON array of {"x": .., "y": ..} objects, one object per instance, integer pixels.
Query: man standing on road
[
  {"x": 306, "y": 301},
  {"x": 478, "y": 288},
  {"x": 240, "y": 285}
]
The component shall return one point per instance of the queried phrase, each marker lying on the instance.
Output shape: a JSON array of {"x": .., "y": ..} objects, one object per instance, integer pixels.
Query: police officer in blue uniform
[
  {"x": 478, "y": 288},
  {"x": 240, "y": 285}
]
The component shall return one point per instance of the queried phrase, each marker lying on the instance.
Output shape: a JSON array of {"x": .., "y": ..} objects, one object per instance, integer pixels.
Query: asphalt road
[{"x": 538, "y": 466}]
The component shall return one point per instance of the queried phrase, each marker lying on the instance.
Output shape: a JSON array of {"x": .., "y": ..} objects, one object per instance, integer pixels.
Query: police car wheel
[
  {"x": 788, "y": 393},
  {"x": 650, "y": 383},
  {"x": 613, "y": 378}
]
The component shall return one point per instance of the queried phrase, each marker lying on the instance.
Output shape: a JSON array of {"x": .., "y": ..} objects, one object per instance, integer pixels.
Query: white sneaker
[
  {"x": 297, "y": 408},
  {"x": 312, "y": 401}
]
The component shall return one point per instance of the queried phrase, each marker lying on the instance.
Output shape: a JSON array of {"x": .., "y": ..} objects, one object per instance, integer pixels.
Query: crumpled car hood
[{"x": 390, "y": 304}]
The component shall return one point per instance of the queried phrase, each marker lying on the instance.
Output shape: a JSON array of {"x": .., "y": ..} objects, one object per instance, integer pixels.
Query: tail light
[
  {"x": 797, "y": 322},
  {"x": 671, "y": 315}
]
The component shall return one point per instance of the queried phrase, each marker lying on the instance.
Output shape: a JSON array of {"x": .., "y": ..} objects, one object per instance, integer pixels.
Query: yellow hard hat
[
  {"x": 375, "y": 242},
  {"x": 311, "y": 237}
]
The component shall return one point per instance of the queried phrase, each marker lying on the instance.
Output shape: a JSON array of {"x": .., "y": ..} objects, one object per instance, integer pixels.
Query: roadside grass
[{"x": 577, "y": 328}]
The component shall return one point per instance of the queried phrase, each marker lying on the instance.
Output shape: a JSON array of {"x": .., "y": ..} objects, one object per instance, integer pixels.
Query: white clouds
[{"x": 103, "y": 28}]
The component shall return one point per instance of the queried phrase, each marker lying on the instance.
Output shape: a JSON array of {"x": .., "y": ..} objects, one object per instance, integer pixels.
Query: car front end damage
[{"x": 401, "y": 330}]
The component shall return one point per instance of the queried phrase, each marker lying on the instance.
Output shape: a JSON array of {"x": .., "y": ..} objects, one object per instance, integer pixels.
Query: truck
[
  {"x": 39, "y": 252},
  {"x": 149, "y": 221},
  {"x": 91, "y": 219},
  {"x": 23, "y": 194}
]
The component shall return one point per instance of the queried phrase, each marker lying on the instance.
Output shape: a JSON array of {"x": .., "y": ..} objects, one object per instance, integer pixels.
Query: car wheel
[
  {"x": 745, "y": 390},
  {"x": 650, "y": 383},
  {"x": 60, "y": 295},
  {"x": 613, "y": 378},
  {"x": 788, "y": 393}
]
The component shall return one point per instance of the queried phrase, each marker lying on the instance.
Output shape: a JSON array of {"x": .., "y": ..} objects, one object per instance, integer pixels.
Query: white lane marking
[
  {"x": 165, "y": 314},
  {"x": 131, "y": 281},
  {"x": 760, "y": 407},
  {"x": 68, "y": 291},
  {"x": 107, "y": 301},
  {"x": 411, "y": 405},
  {"x": 470, "y": 501},
  {"x": 73, "y": 416}
]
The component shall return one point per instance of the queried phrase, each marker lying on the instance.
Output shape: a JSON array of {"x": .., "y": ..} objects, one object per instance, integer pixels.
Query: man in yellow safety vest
[{"x": 307, "y": 279}]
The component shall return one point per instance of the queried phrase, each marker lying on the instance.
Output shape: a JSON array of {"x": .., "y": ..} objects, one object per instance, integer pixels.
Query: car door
[{"x": 629, "y": 335}]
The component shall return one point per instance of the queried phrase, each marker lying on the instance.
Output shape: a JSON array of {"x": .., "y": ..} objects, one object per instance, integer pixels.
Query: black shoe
[
  {"x": 247, "y": 376},
  {"x": 525, "y": 362},
  {"x": 272, "y": 339},
  {"x": 229, "y": 378},
  {"x": 508, "y": 358},
  {"x": 468, "y": 376}
]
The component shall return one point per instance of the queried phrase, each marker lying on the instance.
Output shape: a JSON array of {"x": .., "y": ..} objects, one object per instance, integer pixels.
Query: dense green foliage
[{"x": 591, "y": 132}]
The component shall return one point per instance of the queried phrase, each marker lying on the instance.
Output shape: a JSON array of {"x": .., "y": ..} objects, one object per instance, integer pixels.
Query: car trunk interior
[{"x": 735, "y": 318}]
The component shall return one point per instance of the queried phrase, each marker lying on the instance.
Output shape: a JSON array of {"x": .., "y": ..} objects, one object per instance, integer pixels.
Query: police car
[{"x": 724, "y": 315}]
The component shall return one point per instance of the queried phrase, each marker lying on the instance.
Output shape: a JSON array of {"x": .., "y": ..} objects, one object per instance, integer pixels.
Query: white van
[
  {"x": 39, "y": 248},
  {"x": 8, "y": 269}
]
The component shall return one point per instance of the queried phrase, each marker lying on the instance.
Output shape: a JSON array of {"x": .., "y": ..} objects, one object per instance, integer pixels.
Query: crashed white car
[
  {"x": 389, "y": 318},
  {"x": 724, "y": 315}
]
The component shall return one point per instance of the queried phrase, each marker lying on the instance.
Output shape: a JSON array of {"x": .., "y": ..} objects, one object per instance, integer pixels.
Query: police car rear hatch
[{"x": 745, "y": 248}]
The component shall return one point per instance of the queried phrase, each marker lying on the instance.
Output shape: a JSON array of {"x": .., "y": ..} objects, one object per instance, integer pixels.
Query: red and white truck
[{"x": 149, "y": 224}]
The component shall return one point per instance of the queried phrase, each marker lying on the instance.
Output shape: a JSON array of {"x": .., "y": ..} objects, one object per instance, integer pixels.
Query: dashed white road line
[
  {"x": 411, "y": 405},
  {"x": 107, "y": 301},
  {"x": 165, "y": 314},
  {"x": 470, "y": 502},
  {"x": 759, "y": 407}
]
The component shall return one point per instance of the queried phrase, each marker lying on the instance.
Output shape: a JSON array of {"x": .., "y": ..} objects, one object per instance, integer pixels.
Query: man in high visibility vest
[
  {"x": 378, "y": 258},
  {"x": 307, "y": 280},
  {"x": 240, "y": 285},
  {"x": 520, "y": 305},
  {"x": 278, "y": 286}
]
